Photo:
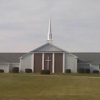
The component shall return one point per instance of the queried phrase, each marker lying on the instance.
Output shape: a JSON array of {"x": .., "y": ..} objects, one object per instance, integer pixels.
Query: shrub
[
  {"x": 1, "y": 71},
  {"x": 45, "y": 71},
  {"x": 87, "y": 70},
  {"x": 95, "y": 71},
  {"x": 68, "y": 70},
  {"x": 15, "y": 70},
  {"x": 42, "y": 71},
  {"x": 80, "y": 70},
  {"x": 28, "y": 70}
]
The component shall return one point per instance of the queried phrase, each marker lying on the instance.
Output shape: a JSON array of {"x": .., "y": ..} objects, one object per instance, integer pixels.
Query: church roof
[
  {"x": 89, "y": 57},
  {"x": 92, "y": 58},
  {"x": 10, "y": 57},
  {"x": 48, "y": 47}
]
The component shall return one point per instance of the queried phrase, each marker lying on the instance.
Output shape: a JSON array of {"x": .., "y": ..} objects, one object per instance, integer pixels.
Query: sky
[{"x": 75, "y": 24}]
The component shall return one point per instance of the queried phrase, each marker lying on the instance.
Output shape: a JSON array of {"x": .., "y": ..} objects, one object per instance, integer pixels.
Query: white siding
[
  {"x": 5, "y": 67},
  {"x": 71, "y": 63},
  {"x": 26, "y": 62}
]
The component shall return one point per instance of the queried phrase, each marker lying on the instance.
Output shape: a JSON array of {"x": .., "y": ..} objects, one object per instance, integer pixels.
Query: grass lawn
[{"x": 50, "y": 87}]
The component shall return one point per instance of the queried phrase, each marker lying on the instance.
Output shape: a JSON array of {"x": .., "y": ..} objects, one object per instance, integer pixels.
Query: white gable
[{"x": 48, "y": 48}]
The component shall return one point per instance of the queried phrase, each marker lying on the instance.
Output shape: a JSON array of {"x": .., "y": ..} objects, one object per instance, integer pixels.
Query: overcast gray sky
[{"x": 75, "y": 24}]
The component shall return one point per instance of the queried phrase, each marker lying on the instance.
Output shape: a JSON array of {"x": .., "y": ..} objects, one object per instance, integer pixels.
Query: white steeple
[{"x": 49, "y": 36}]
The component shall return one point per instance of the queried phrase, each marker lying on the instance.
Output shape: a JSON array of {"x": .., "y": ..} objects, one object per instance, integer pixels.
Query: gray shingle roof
[
  {"x": 92, "y": 57},
  {"x": 10, "y": 57}
]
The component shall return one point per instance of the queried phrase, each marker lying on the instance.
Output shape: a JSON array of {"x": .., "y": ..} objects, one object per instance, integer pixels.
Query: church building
[{"x": 50, "y": 57}]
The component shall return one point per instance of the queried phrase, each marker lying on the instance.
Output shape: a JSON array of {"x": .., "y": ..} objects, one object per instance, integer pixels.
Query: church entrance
[{"x": 58, "y": 62}]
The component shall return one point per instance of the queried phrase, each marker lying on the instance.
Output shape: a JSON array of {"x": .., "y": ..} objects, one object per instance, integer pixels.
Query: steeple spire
[{"x": 49, "y": 37}]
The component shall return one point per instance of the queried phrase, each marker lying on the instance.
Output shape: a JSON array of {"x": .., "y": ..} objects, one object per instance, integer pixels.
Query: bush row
[
  {"x": 45, "y": 71},
  {"x": 16, "y": 70},
  {"x": 28, "y": 70},
  {"x": 1, "y": 71},
  {"x": 82, "y": 70},
  {"x": 95, "y": 71},
  {"x": 68, "y": 71},
  {"x": 79, "y": 70}
]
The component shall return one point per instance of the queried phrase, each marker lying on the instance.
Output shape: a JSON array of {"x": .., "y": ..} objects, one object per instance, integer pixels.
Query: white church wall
[
  {"x": 71, "y": 63},
  {"x": 26, "y": 62},
  {"x": 94, "y": 67},
  {"x": 5, "y": 67}
]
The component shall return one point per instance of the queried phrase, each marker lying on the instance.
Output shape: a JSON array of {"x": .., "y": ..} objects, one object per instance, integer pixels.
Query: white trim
[
  {"x": 20, "y": 66},
  {"x": 42, "y": 61},
  {"x": 73, "y": 55},
  {"x": 25, "y": 55},
  {"x": 61, "y": 50},
  {"x": 63, "y": 62},
  {"x": 48, "y": 44},
  {"x": 33, "y": 62},
  {"x": 53, "y": 60}
]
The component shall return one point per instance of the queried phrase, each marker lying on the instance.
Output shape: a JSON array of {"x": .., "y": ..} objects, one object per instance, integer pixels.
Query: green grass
[{"x": 49, "y": 87}]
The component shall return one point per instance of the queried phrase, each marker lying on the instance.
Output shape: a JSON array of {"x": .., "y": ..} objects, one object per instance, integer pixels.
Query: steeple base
[{"x": 49, "y": 41}]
